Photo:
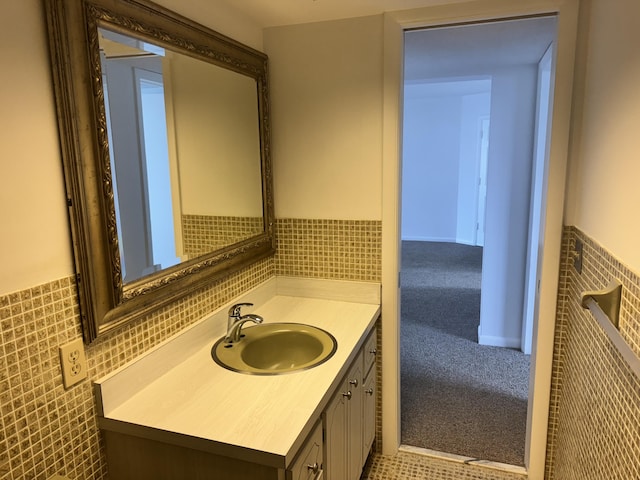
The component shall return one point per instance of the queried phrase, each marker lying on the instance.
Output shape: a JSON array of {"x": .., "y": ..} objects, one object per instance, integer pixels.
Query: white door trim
[
  {"x": 481, "y": 168},
  {"x": 479, "y": 10},
  {"x": 546, "y": 73}
]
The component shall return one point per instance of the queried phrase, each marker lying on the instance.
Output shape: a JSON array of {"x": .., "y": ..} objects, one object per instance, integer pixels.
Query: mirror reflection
[{"x": 185, "y": 154}]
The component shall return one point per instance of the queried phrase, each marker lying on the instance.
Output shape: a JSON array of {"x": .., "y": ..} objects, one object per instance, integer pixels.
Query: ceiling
[
  {"x": 271, "y": 13},
  {"x": 440, "y": 52},
  {"x": 476, "y": 49},
  {"x": 448, "y": 52}
]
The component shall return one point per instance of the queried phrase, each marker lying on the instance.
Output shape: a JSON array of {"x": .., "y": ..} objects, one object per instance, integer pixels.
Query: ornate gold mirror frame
[{"x": 105, "y": 301}]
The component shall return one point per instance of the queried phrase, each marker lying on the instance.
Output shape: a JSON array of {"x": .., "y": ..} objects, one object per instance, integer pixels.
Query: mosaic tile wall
[
  {"x": 332, "y": 249},
  {"x": 595, "y": 416},
  {"x": 595, "y": 411},
  {"x": 205, "y": 233},
  {"x": 47, "y": 430}
]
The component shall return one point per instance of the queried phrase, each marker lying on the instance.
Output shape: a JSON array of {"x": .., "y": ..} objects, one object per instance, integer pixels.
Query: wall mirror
[{"x": 164, "y": 132}]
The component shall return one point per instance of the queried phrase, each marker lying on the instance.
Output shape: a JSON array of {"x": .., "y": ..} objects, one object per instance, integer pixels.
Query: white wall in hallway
[
  {"x": 431, "y": 154},
  {"x": 439, "y": 184},
  {"x": 440, "y": 147},
  {"x": 508, "y": 195},
  {"x": 474, "y": 109}
]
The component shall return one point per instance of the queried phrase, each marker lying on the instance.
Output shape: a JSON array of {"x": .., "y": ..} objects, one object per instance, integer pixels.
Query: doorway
[
  {"x": 395, "y": 24},
  {"x": 442, "y": 190}
]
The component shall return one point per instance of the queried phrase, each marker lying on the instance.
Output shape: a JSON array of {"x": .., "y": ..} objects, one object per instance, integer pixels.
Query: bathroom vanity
[{"x": 174, "y": 413}]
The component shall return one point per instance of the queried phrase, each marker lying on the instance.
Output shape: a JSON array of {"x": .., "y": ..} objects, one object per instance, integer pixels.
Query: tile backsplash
[
  {"x": 47, "y": 430},
  {"x": 334, "y": 249}
]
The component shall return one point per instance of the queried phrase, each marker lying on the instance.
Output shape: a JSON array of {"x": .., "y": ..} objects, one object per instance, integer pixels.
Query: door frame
[
  {"x": 394, "y": 24},
  {"x": 546, "y": 66}
]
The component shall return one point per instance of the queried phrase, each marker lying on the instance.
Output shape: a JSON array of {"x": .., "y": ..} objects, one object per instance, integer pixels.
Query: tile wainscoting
[
  {"x": 333, "y": 249},
  {"x": 45, "y": 429},
  {"x": 594, "y": 422}
]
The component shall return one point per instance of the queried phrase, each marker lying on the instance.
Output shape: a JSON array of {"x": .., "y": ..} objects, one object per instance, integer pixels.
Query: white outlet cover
[{"x": 73, "y": 362}]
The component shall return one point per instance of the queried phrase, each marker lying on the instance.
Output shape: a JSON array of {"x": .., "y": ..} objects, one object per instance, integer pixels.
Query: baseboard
[
  {"x": 429, "y": 239},
  {"x": 464, "y": 241},
  {"x": 505, "y": 342}
]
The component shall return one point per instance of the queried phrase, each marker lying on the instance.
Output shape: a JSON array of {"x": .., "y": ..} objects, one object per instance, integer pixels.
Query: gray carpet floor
[{"x": 456, "y": 396}]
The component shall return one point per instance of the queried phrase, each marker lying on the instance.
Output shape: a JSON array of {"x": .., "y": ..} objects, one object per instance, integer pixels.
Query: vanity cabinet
[
  {"x": 336, "y": 449},
  {"x": 156, "y": 460},
  {"x": 174, "y": 414},
  {"x": 349, "y": 419}
]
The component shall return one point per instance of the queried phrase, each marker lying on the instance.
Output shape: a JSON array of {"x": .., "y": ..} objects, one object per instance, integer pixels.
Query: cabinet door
[
  {"x": 308, "y": 465},
  {"x": 370, "y": 350},
  {"x": 335, "y": 442},
  {"x": 369, "y": 413},
  {"x": 354, "y": 420}
]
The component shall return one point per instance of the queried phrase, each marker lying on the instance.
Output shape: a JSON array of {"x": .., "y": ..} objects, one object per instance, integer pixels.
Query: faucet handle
[{"x": 234, "y": 311}]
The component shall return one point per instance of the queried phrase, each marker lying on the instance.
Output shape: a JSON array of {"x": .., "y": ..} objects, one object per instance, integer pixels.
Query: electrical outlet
[
  {"x": 577, "y": 255},
  {"x": 73, "y": 362}
]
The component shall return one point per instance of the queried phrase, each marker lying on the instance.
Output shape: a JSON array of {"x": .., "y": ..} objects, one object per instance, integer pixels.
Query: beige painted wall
[
  {"x": 326, "y": 94},
  {"x": 604, "y": 188},
  {"x": 35, "y": 244}
]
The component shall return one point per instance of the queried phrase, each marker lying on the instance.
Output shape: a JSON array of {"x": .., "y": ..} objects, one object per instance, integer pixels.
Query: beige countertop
[{"x": 178, "y": 394}]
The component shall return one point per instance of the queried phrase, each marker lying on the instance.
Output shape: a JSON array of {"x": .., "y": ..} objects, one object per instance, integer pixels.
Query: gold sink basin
[{"x": 275, "y": 348}]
